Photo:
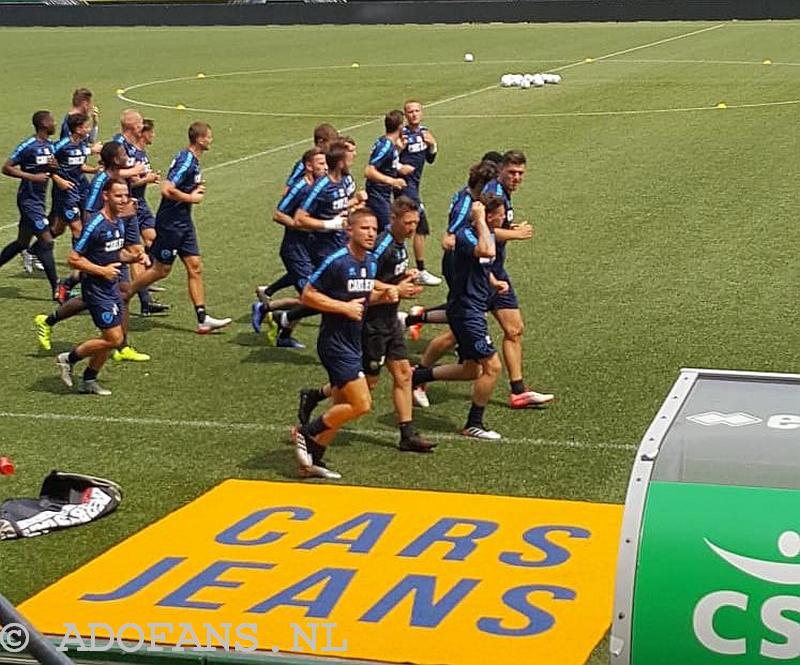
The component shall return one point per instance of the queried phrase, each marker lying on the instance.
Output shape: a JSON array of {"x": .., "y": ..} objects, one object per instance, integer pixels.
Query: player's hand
[
  {"x": 478, "y": 211},
  {"x": 401, "y": 143},
  {"x": 111, "y": 271},
  {"x": 95, "y": 113},
  {"x": 39, "y": 178},
  {"x": 407, "y": 288},
  {"x": 197, "y": 195},
  {"x": 138, "y": 169},
  {"x": 63, "y": 184},
  {"x": 449, "y": 242},
  {"x": 97, "y": 147},
  {"x": 522, "y": 231},
  {"x": 389, "y": 295},
  {"x": 501, "y": 286},
  {"x": 152, "y": 177},
  {"x": 406, "y": 169},
  {"x": 429, "y": 138},
  {"x": 398, "y": 183},
  {"x": 144, "y": 259},
  {"x": 354, "y": 309},
  {"x": 361, "y": 196}
]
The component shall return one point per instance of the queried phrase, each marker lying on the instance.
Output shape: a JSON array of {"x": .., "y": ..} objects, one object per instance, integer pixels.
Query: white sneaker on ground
[
  {"x": 62, "y": 360},
  {"x": 92, "y": 388},
  {"x": 210, "y": 324},
  {"x": 427, "y": 279},
  {"x": 420, "y": 395},
  {"x": 316, "y": 471},
  {"x": 301, "y": 451},
  {"x": 480, "y": 433},
  {"x": 38, "y": 264}
]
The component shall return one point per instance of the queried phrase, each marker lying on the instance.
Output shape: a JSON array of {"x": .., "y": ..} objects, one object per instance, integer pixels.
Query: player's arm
[
  {"x": 133, "y": 254},
  {"x": 79, "y": 262},
  {"x": 169, "y": 190},
  {"x": 87, "y": 168},
  {"x": 433, "y": 147},
  {"x": 62, "y": 183},
  {"x": 132, "y": 172},
  {"x": 384, "y": 296},
  {"x": 371, "y": 172},
  {"x": 283, "y": 219},
  {"x": 522, "y": 231},
  {"x": 485, "y": 248},
  {"x": 312, "y": 297},
  {"x": 304, "y": 220},
  {"x": 12, "y": 170},
  {"x": 499, "y": 285}
]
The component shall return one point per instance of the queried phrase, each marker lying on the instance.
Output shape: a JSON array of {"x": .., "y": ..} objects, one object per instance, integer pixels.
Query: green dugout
[{"x": 709, "y": 560}]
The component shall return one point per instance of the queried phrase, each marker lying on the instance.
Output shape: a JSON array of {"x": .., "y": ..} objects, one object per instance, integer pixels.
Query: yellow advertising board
[{"x": 353, "y": 572}]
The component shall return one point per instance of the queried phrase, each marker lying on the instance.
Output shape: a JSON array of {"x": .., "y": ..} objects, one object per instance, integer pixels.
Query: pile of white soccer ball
[{"x": 528, "y": 80}]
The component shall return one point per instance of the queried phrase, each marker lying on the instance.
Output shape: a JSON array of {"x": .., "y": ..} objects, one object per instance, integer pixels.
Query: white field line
[
  {"x": 284, "y": 429},
  {"x": 453, "y": 98}
]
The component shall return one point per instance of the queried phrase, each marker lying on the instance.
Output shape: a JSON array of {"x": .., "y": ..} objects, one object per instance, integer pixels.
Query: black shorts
[
  {"x": 382, "y": 341},
  {"x": 473, "y": 341}
]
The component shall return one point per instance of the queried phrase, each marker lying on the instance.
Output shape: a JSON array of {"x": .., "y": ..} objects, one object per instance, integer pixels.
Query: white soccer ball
[
  {"x": 468, "y": 57},
  {"x": 555, "y": 79},
  {"x": 507, "y": 80},
  {"x": 528, "y": 77},
  {"x": 525, "y": 84},
  {"x": 537, "y": 81},
  {"x": 518, "y": 79}
]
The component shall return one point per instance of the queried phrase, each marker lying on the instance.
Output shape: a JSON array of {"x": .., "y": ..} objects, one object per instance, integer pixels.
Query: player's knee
[
  {"x": 114, "y": 337},
  {"x": 473, "y": 371},
  {"x": 401, "y": 373},
  {"x": 492, "y": 366},
  {"x": 362, "y": 404},
  {"x": 195, "y": 267},
  {"x": 372, "y": 381},
  {"x": 514, "y": 331}
]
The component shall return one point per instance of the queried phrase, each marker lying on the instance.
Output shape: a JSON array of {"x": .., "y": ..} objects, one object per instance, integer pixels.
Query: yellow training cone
[
  {"x": 722, "y": 105},
  {"x": 180, "y": 107},
  {"x": 355, "y": 65},
  {"x": 767, "y": 61},
  {"x": 201, "y": 75},
  {"x": 120, "y": 91},
  {"x": 589, "y": 60}
]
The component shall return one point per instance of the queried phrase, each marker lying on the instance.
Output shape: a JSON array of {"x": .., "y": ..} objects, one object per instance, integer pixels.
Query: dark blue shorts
[
  {"x": 67, "y": 205},
  {"x": 342, "y": 367},
  {"x": 506, "y": 300},
  {"x": 105, "y": 312},
  {"x": 383, "y": 211},
  {"x": 32, "y": 217},
  {"x": 472, "y": 336},
  {"x": 144, "y": 215},
  {"x": 422, "y": 228},
  {"x": 296, "y": 258},
  {"x": 172, "y": 241}
]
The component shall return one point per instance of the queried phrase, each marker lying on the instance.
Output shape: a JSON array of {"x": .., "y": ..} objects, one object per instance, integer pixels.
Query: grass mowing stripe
[{"x": 221, "y": 424}]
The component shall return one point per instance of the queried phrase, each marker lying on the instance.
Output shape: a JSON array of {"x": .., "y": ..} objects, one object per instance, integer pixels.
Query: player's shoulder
[
  {"x": 61, "y": 143},
  {"x": 25, "y": 144}
]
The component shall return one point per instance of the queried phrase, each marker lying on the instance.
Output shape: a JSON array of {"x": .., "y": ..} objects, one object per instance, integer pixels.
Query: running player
[
  {"x": 467, "y": 303},
  {"x": 68, "y": 189},
  {"x": 418, "y": 148},
  {"x": 114, "y": 161},
  {"x": 383, "y": 339},
  {"x": 32, "y": 162},
  {"x": 340, "y": 288},
  {"x": 458, "y": 218},
  {"x": 324, "y": 135},
  {"x": 294, "y": 248},
  {"x": 145, "y": 221},
  {"x": 98, "y": 255},
  {"x": 175, "y": 233},
  {"x": 384, "y": 169},
  {"x": 504, "y": 304}
]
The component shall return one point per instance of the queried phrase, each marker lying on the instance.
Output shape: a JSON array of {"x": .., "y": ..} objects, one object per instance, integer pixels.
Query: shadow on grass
[
  {"x": 280, "y": 460},
  {"x": 260, "y": 352},
  {"x": 423, "y": 422},
  {"x": 9, "y": 292},
  {"x": 50, "y": 384}
]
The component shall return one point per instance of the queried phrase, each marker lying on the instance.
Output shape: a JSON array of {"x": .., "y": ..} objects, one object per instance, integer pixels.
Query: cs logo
[{"x": 107, "y": 317}]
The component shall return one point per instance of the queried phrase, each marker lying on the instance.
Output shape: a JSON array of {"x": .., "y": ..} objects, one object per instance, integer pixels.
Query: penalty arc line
[
  {"x": 470, "y": 93},
  {"x": 264, "y": 427}
]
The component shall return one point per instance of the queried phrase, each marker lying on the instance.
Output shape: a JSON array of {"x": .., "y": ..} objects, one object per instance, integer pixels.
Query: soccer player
[
  {"x": 114, "y": 160},
  {"x": 175, "y": 233},
  {"x": 418, "y": 148},
  {"x": 98, "y": 255},
  {"x": 383, "y": 339},
  {"x": 340, "y": 288},
  {"x": 145, "y": 221},
  {"x": 68, "y": 189},
  {"x": 504, "y": 304},
  {"x": 458, "y": 217},
  {"x": 294, "y": 250},
  {"x": 32, "y": 162},
  {"x": 467, "y": 303},
  {"x": 384, "y": 169},
  {"x": 324, "y": 135},
  {"x": 82, "y": 103}
]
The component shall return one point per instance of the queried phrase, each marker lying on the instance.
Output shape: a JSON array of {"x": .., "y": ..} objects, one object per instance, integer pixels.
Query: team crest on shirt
[{"x": 351, "y": 271}]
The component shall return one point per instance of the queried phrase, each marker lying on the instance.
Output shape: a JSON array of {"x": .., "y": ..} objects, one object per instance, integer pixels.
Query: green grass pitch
[{"x": 664, "y": 238}]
